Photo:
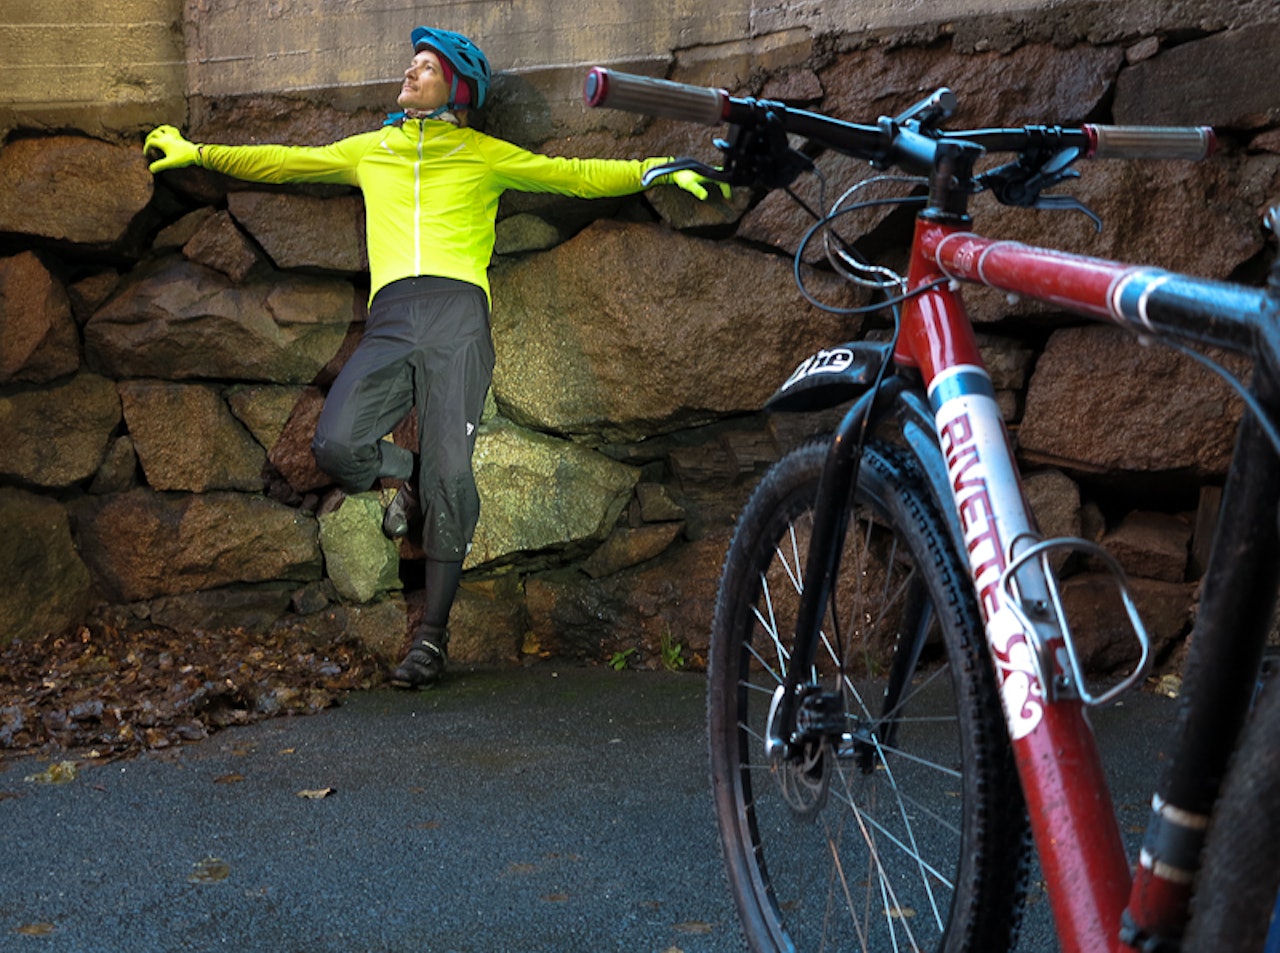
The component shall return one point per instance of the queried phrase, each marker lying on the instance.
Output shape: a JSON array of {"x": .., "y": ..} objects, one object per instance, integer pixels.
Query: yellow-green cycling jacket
[{"x": 430, "y": 189}]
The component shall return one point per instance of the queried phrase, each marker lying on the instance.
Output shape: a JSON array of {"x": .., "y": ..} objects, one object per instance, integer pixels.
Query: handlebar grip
[
  {"x": 655, "y": 97},
  {"x": 1151, "y": 142}
]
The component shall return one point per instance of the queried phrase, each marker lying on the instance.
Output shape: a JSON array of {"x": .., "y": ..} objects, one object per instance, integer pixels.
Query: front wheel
[{"x": 906, "y": 830}]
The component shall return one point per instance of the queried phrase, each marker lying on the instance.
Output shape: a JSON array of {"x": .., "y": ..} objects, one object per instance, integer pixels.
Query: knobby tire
[{"x": 916, "y": 837}]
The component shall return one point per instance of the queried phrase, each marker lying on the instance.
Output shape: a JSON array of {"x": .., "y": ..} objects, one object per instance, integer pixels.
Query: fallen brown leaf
[
  {"x": 696, "y": 927},
  {"x": 63, "y": 772},
  {"x": 35, "y": 929},
  {"x": 210, "y": 870}
]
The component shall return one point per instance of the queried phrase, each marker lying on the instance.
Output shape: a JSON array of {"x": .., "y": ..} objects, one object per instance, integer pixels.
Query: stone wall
[{"x": 165, "y": 344}]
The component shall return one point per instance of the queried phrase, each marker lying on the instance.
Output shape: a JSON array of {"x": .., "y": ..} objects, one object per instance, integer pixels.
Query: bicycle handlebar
[
  {"x": 886, "y": 142},
  {"x": 1151, "y": 142},
  {"x": 655, "y": 97}
]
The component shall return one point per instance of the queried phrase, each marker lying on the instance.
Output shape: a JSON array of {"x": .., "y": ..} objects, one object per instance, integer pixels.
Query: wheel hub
[{"x": 800, "y": 762}]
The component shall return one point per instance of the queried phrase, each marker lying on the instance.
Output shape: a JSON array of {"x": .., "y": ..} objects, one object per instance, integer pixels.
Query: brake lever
[
  {"x": 1068, "y": 203},
  {"x": 1021, "y": 184},
  {"x": 684, "y": 163}
]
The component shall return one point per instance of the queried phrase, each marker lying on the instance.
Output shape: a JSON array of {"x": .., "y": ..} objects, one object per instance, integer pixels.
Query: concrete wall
[
  {"x": 97, "y": 65},
  {"x": 115, "y": 66}
]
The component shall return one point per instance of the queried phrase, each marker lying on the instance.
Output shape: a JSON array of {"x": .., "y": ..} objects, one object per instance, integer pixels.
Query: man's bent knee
[{"x": 354, "y": 468}]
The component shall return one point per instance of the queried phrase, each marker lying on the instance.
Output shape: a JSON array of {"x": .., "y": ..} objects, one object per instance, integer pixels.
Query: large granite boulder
[
  {"x": 1188, "y": 85},
  {"x": 1101, "y": 402},
  {"x": 179, "y": 320},
  {"x": 142, "y": 544},
  {"x": 361, "y": 562},
  {"x": 305, "y": 231},
  {"x": 542, "y": 494},
  {"x": 38, "y": 337},
  {"x": 186, "y": 438},
  {"x": 72, "y": 189},
  {"x": 57, "y": 435},
  {"x": 1036, "y": 83},
  {"x": 632, "y": 329}
]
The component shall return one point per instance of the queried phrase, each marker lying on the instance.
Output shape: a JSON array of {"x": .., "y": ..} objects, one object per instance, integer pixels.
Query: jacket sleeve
[
  {"x": 516, "y": 168},
  {"x": 335, "y": 163}
]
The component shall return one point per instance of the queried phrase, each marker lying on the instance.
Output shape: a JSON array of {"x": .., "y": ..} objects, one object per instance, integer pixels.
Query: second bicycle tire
[{"x": 1235, "y": 901}]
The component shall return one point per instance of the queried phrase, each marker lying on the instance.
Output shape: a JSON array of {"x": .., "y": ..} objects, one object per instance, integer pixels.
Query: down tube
[{"x": 1072, "y": 816}]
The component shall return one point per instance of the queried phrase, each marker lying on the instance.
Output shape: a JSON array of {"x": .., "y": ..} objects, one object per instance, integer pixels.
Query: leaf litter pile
[{"x": 114, "y": 694}]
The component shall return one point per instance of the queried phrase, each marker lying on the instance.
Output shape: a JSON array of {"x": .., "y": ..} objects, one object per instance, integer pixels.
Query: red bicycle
[{"x": 895, "y": 697}]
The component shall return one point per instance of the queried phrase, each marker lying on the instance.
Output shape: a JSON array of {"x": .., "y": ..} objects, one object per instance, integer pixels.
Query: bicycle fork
[{"x": 788, "y": 728}]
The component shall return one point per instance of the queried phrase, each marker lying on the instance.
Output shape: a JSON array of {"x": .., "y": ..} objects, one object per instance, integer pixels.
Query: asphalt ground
[{"x": 512, "y": 811}]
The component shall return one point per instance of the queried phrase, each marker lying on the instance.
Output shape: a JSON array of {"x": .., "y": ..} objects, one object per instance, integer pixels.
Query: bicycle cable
[
  {"x": 845, "y": 253},
  {"x": 823, "y": 223},
  {"x": 1251, "y": 402},
  {"x": 888, "y": 277}
]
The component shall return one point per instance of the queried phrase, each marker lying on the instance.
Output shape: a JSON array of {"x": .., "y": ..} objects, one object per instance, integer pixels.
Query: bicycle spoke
[
  {"x": 761, "y": 689},
  {"x": 889, "y": 595},
  {"x": 916, "y": 690},
  {"x": 778, "y": 676},
  {"x": 888, "y": 897},
  {"x": 908, "y": 756},
  {"x": 906, "y": 849},
  {"x": 797, "y": 581},
  {"x": 913, "y": 851}
]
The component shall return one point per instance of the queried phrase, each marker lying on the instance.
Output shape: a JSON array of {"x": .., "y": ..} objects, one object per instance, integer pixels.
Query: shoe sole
[{"x": 414, "y": 686}]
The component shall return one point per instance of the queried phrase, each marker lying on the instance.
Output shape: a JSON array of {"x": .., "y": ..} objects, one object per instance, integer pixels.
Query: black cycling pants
[{"x": 426, "y": 345}]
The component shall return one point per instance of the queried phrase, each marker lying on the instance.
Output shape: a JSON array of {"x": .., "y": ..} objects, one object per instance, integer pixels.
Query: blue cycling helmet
[{"x": 464, "y": 58}]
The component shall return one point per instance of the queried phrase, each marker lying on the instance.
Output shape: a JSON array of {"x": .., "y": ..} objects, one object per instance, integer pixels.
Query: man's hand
[
  {"x": 177, "y": 151},
  {"x": 696, "y": 184}
]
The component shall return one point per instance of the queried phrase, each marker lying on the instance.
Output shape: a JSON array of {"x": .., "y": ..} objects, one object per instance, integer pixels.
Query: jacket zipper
[{"x": 417, "y": 203}]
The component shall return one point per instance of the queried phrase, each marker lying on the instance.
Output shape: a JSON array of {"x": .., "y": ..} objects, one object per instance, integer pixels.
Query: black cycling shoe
[
  {"x": 425, "y": 662},
  {"x": 401, "y": 512}
]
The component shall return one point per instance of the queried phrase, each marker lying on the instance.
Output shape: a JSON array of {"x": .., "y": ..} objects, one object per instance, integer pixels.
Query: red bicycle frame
[{"x": 1073, "y": 819}]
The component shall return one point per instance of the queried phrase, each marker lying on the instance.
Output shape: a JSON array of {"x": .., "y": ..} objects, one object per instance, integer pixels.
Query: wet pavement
[{"x": 514, "y": 811}]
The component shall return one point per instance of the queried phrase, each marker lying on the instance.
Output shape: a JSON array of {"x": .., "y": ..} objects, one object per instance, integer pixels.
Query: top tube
[{"x": 1146, "y": 300}]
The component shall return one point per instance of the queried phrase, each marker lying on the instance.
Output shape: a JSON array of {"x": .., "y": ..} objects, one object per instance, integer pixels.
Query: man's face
[{"x": 424, "y": 84}]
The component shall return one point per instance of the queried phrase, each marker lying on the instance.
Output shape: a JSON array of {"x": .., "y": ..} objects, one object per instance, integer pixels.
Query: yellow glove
[
  {"x": 177, "y": 151},
  {"x": 696, "y": 184}
]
